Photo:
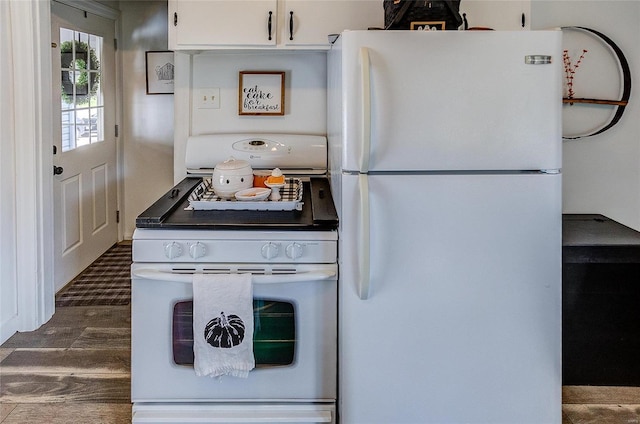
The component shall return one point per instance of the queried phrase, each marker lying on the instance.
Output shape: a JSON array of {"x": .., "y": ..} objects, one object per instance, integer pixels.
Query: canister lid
[{"x": 232, "y": 164}]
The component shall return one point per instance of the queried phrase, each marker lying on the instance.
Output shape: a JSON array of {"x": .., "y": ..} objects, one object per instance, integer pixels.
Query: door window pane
[{"x": 82, "y": 101}]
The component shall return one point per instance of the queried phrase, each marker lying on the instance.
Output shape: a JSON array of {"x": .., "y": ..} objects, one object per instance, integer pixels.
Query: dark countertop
[{"x": 596, "y": 238}]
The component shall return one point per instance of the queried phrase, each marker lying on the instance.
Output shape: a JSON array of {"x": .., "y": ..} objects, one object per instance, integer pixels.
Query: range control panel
[{"x": 247, "y": 251}]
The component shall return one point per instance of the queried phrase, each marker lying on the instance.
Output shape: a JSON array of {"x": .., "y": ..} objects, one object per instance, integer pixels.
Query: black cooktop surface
[{"x": 318, "y": 212}]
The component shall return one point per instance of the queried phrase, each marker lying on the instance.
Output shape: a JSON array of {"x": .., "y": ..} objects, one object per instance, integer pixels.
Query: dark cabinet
[{"x": 601, "y": 302}]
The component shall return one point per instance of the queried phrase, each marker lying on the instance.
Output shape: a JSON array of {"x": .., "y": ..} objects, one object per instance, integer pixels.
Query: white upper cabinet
[
  {"x": 304, "y": 24},
  {"x": 502, "y": 15},
  {"x": 233, "y": 24},
  {"x": 309, "y": 22},
  {"x": 201, "y": 24}
]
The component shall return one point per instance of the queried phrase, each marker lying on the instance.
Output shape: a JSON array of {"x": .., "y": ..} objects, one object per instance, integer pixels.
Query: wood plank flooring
[
  {"x": 75, "y": 369},
  {"x": 600, "y": 405}
]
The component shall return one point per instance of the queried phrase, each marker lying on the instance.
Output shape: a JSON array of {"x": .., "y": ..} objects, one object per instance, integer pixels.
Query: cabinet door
[
  {"x": 497, "y": 14},
  {"x": 309, "y": 22},
  {"x": 197, "y": 24}
]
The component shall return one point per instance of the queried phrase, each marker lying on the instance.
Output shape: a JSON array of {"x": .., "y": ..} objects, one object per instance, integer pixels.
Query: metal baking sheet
[{"x": 204, "y": 198}]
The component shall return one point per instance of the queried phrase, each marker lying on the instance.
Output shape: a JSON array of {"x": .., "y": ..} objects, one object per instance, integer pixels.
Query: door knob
[{"x": 57, "y": 170}]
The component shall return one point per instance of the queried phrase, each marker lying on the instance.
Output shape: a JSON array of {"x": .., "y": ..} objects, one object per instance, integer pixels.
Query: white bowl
[{"x": 254, "y": 193}]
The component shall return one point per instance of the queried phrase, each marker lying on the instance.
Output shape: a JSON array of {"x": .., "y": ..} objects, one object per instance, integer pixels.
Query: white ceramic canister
[{"x": 231, "y": 176}]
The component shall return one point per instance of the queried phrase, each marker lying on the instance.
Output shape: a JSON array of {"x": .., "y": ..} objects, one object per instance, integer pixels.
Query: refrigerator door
[
  {"x": 451, "y": 100},
  {"x": 461, "y": 320}
]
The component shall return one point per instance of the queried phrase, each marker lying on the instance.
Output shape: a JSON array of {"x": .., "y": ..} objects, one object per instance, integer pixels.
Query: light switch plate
[{"x": 207, "y": 98}]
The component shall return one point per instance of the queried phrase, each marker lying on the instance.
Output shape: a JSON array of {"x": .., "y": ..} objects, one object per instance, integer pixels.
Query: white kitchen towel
[{"x": 223, "y": 324}]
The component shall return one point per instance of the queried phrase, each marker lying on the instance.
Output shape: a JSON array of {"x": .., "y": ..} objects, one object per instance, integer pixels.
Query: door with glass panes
[{"x": 84, "y": 139}]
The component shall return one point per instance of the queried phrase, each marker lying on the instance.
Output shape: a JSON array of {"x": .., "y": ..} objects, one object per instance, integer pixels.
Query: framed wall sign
[
  {"x": 261, "y": 93},
  {"x": 428, "y": 26},
  {"x": 159, "y": 72}
]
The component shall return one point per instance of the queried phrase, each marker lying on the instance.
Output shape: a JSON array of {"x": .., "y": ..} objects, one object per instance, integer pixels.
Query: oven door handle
[{"x": 301, "y": 277}]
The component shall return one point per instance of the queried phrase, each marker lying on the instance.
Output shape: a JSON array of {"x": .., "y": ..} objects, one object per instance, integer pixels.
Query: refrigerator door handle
[
  {"x": 364, "y": 282},
  {"x": 365, "y": 120}
]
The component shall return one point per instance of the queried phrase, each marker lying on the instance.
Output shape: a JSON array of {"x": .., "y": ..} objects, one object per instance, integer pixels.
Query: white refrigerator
[{"x": 445, "y": 157}]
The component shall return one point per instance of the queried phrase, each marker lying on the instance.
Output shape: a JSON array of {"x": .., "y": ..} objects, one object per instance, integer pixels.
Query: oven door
[{"x": 295, "y": 349}]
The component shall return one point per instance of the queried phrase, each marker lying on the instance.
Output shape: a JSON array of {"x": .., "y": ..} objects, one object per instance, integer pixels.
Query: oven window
[{"x": 274, "y": 334}]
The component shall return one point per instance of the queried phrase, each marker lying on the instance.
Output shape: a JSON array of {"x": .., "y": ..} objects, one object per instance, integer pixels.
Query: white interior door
[{"x": 84, "y": 139}]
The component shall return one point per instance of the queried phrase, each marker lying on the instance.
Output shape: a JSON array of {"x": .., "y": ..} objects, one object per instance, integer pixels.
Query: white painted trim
[
  {"x": 92, "y": 6},
  {"x": 44, "y": 102},
  {"x": 120, "y": 138},
  {"x": 8, "y": 282},
  {"x": 182, "y": 115},
  {"x": 32, "y": 138}
]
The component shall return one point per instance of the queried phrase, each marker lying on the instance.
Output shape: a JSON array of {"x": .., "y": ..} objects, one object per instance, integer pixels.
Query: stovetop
[{"x": 169, "y": 212}]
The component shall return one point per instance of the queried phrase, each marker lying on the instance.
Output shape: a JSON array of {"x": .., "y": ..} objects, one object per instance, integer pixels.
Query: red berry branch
[{"x": 570, "y": 70}]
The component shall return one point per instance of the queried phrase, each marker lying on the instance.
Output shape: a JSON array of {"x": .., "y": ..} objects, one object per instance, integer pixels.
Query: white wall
[
  {"x": 602, "y": 173},
  {"x": 305, "y": 95},
  {"x": 147, "y": 127},
  {"x": 305, "y": 91}
]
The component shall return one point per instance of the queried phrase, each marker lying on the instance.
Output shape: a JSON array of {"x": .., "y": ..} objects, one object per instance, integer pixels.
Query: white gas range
[{"x": 292, "y": 257}]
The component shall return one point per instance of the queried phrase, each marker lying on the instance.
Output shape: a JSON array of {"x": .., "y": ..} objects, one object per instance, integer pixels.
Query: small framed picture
[
  {"x": 428, "y": 26},
  {"x": 261, "y": 93},
  {"x": 159, "y": 72}
]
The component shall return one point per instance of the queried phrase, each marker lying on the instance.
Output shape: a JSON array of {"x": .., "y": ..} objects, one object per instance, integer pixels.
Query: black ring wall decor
[{"x": 625, "y": 92}]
